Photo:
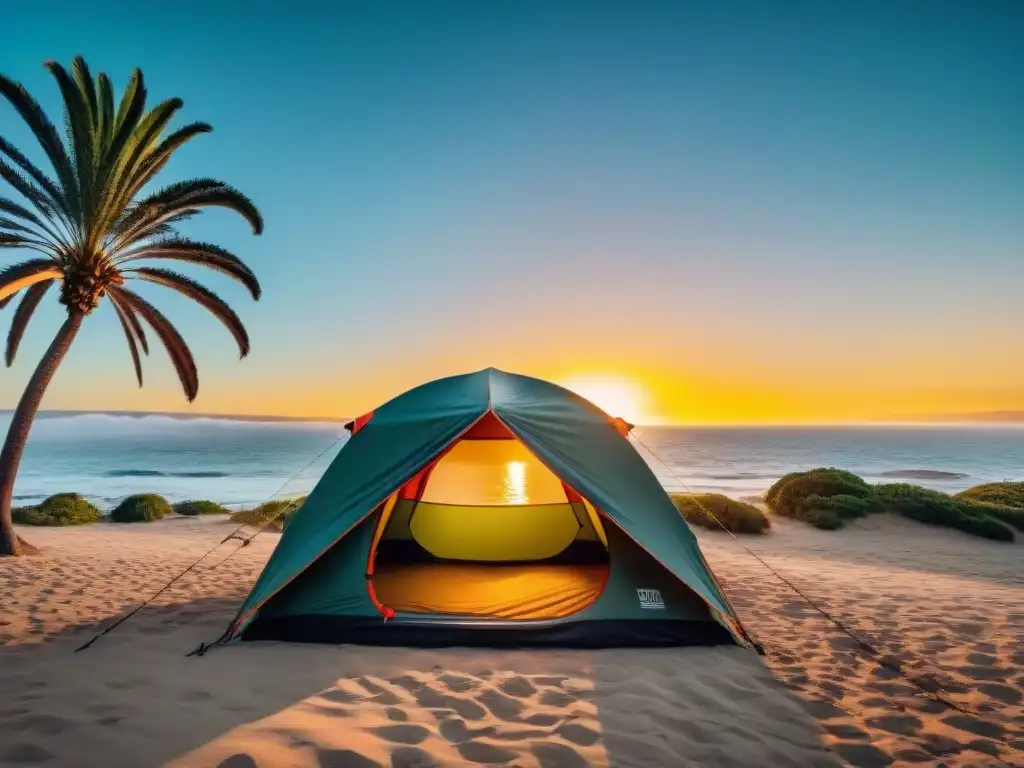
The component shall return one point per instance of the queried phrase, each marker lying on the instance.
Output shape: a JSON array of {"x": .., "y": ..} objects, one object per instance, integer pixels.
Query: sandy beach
[{"x": 949, "y": 607}]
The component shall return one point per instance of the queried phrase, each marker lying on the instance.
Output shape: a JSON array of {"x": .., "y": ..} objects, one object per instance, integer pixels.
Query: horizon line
[{"x": 980, "y": 418}]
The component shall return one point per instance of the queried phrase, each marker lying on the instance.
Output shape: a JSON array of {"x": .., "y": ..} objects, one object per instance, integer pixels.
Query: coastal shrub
[
  {"x": 59, "y": 509},
  {"x": 790, "y": 499},
  {"x": 1010, "y": 515},
  {"x": 823, "y": 518},
  {"x": 842, "y": 507},
  {"x": 736, "y": 516},
  {"x": 272, "y": 514},
  {"x": 935, "y": 508},
  {"x": 202, "y": 507},
  {"x": 773, "y": 493},
  {"x": 1005, "y": 494},
  {"x": 141, "y": 508}
]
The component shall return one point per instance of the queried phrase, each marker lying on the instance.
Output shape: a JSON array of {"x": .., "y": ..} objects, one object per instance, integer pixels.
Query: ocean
[{"x": 107, "y": 457}]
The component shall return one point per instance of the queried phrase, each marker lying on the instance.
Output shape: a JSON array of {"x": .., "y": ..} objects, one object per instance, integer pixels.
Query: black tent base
[{"x": 603, "y": 633}]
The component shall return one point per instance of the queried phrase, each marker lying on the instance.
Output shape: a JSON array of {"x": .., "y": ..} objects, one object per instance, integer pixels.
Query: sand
[{"x": 949, "y": 606}]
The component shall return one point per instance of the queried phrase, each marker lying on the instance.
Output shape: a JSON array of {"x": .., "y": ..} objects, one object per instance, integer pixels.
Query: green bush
[
  {"x": 143, "y": 507},
  {"x": 736, "y": 516},
  {"x": 935, "y": 508},
  {"x": 823, "y": 518},
  {"x": 60, "y": 509},
  {"x": 1005, "y": 494},
  {"x": 1010, "y": 515},
  {"x": 273, "y": 514},
  {"x": 842, "y": 508},
  {"x": 773, "y": 493},
  {"x": 194, "y": 508},
  {"x": 790, "y": 499}
]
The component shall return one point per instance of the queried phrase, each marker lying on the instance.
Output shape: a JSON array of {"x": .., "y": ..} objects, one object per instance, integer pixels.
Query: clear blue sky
[{"x": 751, "y": 209}]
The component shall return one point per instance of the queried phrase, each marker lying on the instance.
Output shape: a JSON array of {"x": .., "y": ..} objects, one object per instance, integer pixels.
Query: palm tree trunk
[{"x": 21, "y": 423}]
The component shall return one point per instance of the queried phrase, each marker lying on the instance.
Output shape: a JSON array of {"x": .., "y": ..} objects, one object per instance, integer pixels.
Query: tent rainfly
[{"x": 488, "y": 509}]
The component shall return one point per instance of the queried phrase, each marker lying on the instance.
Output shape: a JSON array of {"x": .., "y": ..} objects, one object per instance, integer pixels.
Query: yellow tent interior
[{"x": 488, "y": 530}]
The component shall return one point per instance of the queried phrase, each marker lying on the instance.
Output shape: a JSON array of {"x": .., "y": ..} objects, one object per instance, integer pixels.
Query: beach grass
[
  {"x": 708, "y": 509},
  {"x": 59, "y": 509}
]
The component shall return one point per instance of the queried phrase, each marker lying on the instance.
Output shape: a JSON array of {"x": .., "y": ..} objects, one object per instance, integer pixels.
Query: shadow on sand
[{"x": 136, "y": 699}]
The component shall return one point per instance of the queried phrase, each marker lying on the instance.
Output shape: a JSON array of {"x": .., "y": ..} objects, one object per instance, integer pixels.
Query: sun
[{"x": 615, "y": 395}]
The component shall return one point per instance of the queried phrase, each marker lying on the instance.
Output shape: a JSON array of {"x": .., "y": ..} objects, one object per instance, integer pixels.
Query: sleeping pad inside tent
[{"x": 488, "y": 509}]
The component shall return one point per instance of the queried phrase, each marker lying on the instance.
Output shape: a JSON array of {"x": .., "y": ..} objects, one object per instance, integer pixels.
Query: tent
[{"x": 488, "y": 509}]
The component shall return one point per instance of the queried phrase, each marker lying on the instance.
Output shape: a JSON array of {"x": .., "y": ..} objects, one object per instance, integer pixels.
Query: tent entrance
[{"x": 488, "y": 531}]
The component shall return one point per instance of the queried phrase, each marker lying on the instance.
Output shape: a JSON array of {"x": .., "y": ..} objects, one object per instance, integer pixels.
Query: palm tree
[{"x": 91, "y": 224}]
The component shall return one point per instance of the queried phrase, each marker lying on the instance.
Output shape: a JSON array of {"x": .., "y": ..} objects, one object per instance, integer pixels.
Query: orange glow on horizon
[{"x": 618, "y": 396}]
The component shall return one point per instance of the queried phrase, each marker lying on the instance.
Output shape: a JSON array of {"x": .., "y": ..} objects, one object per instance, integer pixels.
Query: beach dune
[{"x": 944, "y": 604}]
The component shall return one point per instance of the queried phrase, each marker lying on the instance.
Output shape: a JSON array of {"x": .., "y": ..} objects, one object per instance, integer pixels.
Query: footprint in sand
[
  {"x": 480, "y": 752},
  {"x": 238, "y": 761},
  {"x": 26, "y": 754},
  {"x": 556, "y": 756},
  {"x": 412, "y": 757},
  {"x": 402, "y": 734},
  {"x": 344, "y": 758},
  {"x": 976, "y": 726}
]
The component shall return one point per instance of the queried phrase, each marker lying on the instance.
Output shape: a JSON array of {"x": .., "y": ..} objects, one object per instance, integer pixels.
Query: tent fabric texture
[{"x": 488, "y": 509}]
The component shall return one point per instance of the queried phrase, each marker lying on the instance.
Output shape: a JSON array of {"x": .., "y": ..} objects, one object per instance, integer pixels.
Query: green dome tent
[{"x": 495, "y": 509}]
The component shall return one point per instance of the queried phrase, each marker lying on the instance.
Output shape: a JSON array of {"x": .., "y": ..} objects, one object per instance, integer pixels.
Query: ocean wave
[
  {"x": 158, "y": 473},
  {"x": 923, "y": 474}
]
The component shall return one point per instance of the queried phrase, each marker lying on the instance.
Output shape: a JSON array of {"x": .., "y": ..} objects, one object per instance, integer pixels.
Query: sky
[{"x": 721, "y": 212}]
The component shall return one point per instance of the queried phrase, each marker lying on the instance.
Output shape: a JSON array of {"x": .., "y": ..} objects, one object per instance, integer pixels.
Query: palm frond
[
  {"x": 201, "y": 254},
  {"x": 25, "y": 274},
  {"x": 22, "y": 315},
  {"x": 133, "y": 102},
  {"x": 16, "y": 240},
  {"x": 16, "y": 209},
  {"x": 176, "y": 347},
  {"x": 25, "y": 215},
  {"x": 87, "y": 87},
  {"x": 14, "y": 225},
  {"x": 158, "y": 157},
  {"x": 27, "y": 189},
  {"x": 203, "y": 296},
  {"x": 130, "y": 336},
  {"x": 46, "y": 184},
  {"x": 46, "y": 134},
  {"x": 106, "y": 104},
  {"x": 136, "y": 324},
  {"x": 79, "y": 129},
  {"x": 119, "y": 186},
  {"x": 201, "y": 193}
]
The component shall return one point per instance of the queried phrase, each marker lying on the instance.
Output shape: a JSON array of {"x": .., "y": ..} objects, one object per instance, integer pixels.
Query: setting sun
[{"x": 615, "y": 395}]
